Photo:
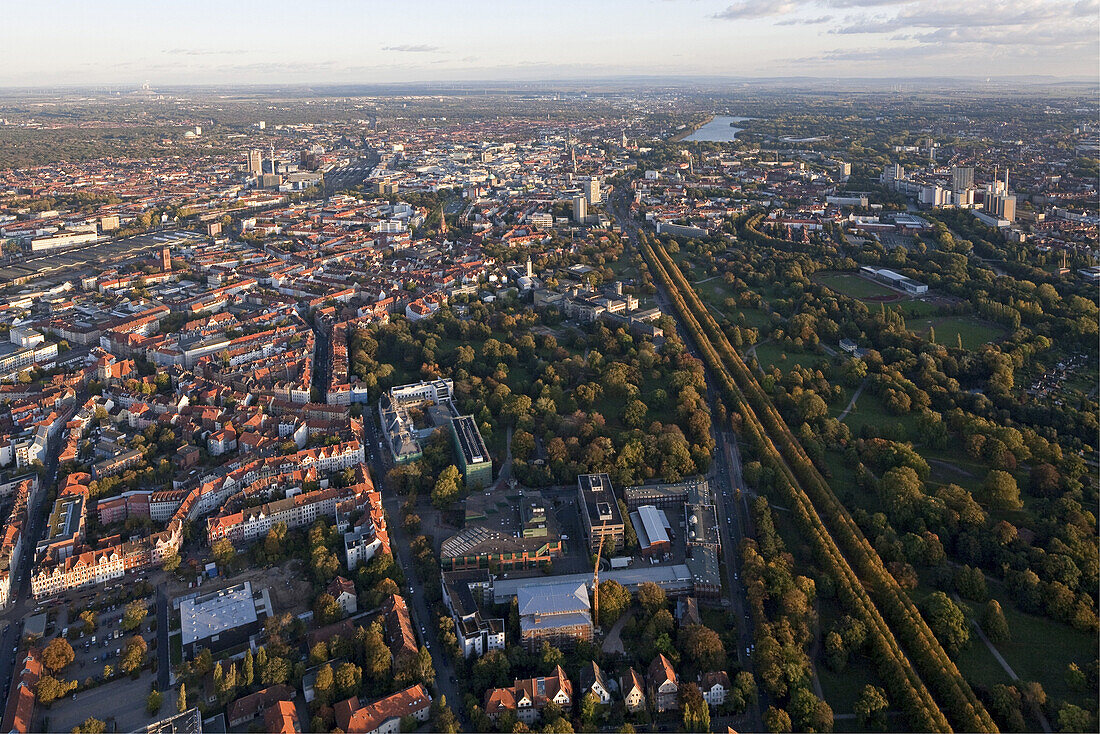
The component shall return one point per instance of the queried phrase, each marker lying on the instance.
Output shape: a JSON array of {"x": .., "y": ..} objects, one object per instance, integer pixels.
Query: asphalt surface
[
  {"x": 400, "y": 541},
  {"x": 21, "y": 602}
]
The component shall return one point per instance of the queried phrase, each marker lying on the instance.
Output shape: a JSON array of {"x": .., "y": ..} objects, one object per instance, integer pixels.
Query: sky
[{"x": 130, "y": 42}]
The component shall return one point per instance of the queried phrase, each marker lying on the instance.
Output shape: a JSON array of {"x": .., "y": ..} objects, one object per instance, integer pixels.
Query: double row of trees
[{"x": 806, "y": 492}]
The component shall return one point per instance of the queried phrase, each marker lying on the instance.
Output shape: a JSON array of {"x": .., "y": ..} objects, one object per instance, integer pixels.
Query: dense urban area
[{"x": 551, "y": 409}]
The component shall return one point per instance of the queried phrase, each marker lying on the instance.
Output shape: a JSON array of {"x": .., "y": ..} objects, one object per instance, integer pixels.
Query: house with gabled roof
[{"x": 662, "y": 685}]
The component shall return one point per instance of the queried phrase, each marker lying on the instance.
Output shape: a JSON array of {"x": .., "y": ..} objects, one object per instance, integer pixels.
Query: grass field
[
  {"x": 1040, "y": 649},
  {"x": 770, "y": 353},
  {"x": 948, "y": 329},
  {"x": 869, "y": 411},
  {"x": 852, "y": 285}
]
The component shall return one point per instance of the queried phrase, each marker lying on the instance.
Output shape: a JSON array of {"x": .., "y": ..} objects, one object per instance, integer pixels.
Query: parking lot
[
  {"x": 123, "y": 700},
  {"x": 104, "y": 646}
]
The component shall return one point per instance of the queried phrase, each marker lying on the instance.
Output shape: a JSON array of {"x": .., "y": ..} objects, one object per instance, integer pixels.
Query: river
[{"x": 719, "y": 130}]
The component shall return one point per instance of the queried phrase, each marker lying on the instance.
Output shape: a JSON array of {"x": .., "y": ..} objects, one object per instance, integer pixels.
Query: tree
[
  {"x": 703, "y": 648},
  {"x": 325, "y": 684},
  {"x": 376, "y": 654},
  {"x": 49, "y": 689},
  {"x": 871, "y": 707},
  {"x": 223, "y": 552},
  {"x": 133, "y": 657},
  {"x": 695, "y": 710},
  {"x": 90, "y": 725},
  {"x": 58, "y": 654},
  {"x": 247, "y": 673},
  {"x": 994, "y": 623},
  {"x": 947, "y": 621},
  {"x": 442, "y": 718},
  {"x": 88, "y": 618},
  {"x": 651, "y": 596},
  {"x": 614, "y": 600},
  {"x": 1044, "y": 480},
  {"x": 326, "y": 608},
  {"x": 348, "y": 679},
  {"x": 277, "y": 670},
  {"x": 153, "y": 702},
  {"x": 777, "y": 721},
  {"x": 171, "y": 562},
  {"x": 136, "y": 611},
  {"x": 445, "y": 490},
  {"x": 590, "y": 707},
  {"x": 1001, "y": 491},
  {"x": 1073, "y": 718},
  {"x": 181, "y": 700}
]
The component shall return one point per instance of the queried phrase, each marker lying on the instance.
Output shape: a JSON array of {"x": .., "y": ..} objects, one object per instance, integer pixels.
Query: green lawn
[
  {"x": 1040, "y": 650},
  {"x": 869, "y": 411},
  {"x": 772, "y": 354},
  {"x": 948, "y": 329},
  {"x": 917, "y": 309},
  {"x": 852, "y": 285}
]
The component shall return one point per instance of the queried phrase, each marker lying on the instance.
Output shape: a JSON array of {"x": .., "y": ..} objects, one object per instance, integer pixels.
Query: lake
[{"x": 719, "y": 130}]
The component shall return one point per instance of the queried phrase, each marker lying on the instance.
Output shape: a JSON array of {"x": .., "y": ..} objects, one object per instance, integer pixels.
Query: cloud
[
  {"x": 413, "y": 48},
  {"x": 805, "y": 21},
  {"x": 750, "y": 9},
  {"x": 193, "y": 52}
]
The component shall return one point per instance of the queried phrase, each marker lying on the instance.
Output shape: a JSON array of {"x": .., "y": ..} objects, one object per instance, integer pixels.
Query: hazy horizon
[{"x": 331, "y": 42}]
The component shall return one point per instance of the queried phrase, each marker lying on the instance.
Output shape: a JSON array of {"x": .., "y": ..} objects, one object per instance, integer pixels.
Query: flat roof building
[
  {"x": 600, "y": 512},
  {"x": 223, "y": 618},
  {"x": 473, "y": 455}
]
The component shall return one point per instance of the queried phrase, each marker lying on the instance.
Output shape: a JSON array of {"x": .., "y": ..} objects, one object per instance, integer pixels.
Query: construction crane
[{"x": 596, "y": 579}]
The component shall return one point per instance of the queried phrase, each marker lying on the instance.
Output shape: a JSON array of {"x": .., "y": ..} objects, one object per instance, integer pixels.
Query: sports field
[{"x": 855, "y": 286}]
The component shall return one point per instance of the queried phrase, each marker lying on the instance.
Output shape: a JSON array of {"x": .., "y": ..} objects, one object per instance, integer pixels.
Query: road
[
  {"x": 21, "y": 602},
  {"x": 401, "y": 542},
  {"x": 729, "y": 491}
]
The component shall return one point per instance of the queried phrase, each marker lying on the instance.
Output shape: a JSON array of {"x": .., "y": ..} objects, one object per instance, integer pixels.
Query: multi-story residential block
[{"x": 476, "y": 634}]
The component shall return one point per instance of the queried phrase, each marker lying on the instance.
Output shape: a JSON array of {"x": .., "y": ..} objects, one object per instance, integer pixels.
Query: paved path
[
  {"x": 950, "y": 467},
  {"x": 1008, "y": 670},
  {"x": 614, "y": 641},
  {"x": 852, "y": 403}
]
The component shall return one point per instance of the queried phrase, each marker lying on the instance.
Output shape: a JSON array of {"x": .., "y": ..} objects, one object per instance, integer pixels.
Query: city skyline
[{"x": 341, "y": 41}]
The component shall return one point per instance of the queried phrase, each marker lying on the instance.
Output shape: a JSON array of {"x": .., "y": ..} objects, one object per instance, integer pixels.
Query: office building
[
  {"x": 652, "y": 527},
  {"x": 255, "y": 162},
  {"x": 600, "y": 512},
  {"x": 473, "y": 455},
  {"x": 580, "y": 209}
]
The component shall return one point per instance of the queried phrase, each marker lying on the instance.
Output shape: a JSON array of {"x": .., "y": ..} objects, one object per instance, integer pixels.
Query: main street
[
  {"x": 400, "y": 541},
  {"x": 20, "y": 602},
  {"x": 729, "y": 491}
]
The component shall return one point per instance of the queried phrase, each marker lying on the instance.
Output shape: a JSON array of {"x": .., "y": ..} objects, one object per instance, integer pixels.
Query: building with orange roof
[
  {"x": 384, "y": 715},
  {"x": 527, "y": 698}
]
